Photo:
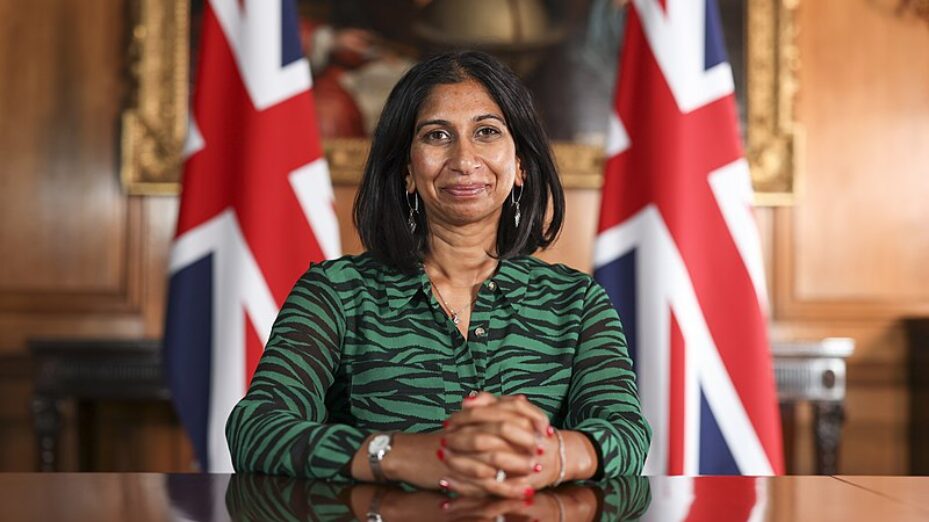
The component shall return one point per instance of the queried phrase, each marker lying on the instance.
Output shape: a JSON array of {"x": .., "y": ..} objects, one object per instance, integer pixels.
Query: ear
[
  {"x": 520, "y": 174},
  {"x": 410, "y": 184}
]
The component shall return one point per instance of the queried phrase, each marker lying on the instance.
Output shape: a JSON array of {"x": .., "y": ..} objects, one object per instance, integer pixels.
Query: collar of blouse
[{"x": 510, "y": 281}]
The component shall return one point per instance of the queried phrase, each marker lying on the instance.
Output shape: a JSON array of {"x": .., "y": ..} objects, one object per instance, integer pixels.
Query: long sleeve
[
  {"x": 280, "y": 427},
  {"x": 602, "y": 399}
]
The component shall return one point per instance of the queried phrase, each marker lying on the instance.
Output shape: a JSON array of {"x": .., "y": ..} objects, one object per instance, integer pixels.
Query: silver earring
[
  {"x": 515, "y": 201},
  {"x": 414, "y": 209}
]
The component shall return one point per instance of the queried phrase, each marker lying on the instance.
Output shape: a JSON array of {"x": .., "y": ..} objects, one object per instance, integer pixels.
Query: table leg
[
  {"x": 828, "y": 417},
  {"x": 789, "y": 433},
  {"x": 47, "y": 417}
]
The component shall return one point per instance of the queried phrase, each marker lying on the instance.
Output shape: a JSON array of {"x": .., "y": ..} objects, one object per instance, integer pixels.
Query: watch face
[{"x": 379, "y": 443}]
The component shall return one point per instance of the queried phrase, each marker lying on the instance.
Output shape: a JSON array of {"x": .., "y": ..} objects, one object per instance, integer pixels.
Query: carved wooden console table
[
  {"x": 89, "y": 370},
  {"x": 814, "y": 372}
]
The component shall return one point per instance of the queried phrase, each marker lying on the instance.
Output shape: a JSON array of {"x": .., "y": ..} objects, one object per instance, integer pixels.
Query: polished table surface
[{"x": 156, "y": 497}]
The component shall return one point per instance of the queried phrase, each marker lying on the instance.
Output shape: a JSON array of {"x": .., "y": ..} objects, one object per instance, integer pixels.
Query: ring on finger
[{"x": 501, "y": 475}]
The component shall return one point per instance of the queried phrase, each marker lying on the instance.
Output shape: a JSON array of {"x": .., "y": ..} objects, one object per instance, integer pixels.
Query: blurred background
[{"x": 834, "y": 107}]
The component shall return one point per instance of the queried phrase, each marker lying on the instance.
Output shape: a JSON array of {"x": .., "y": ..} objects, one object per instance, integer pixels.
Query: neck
[{"x": 461, "y": 255}]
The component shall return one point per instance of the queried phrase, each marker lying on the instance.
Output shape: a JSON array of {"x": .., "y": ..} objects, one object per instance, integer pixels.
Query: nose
[{"x": 465, "y": 159}]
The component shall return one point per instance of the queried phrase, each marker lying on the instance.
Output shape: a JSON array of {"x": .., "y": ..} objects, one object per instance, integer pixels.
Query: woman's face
[{"x": 463, "y": 160}]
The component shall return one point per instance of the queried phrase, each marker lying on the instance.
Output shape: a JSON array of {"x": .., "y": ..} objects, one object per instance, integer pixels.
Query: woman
[{"x": 445, "y": 356}]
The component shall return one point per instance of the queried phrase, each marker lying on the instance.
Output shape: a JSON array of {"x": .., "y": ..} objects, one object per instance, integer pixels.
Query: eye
[
  {"x": 436, "y": 135},
  {"x": 488, "y": 132}
]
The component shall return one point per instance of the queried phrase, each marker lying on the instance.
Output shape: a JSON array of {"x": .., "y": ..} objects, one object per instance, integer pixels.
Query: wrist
[
  {"x": 380, "y": 446},
  {"x": 581, "y": 456},
  {"x": 391, "y": 461},
  {"x": 562, "y": 459},
  {"x": 395, "y": 464}
]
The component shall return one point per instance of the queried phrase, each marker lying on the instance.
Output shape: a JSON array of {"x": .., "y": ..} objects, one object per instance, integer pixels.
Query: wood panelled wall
[
  {"x": 852, "y": 257},
  {"x": 79, "y": 258}
]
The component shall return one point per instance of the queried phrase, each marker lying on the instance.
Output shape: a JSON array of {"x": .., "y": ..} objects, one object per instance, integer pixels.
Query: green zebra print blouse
[{"x": 361, "y": 348}]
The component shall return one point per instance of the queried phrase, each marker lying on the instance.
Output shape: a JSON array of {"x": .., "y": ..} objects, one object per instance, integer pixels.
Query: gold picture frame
[
  {"x": 772, "y": 64},
  {"x": 154, "y": 123}
]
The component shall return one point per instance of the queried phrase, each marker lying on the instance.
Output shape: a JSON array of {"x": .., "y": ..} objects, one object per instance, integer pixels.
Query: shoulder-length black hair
[{"x": 381, "y": 207}]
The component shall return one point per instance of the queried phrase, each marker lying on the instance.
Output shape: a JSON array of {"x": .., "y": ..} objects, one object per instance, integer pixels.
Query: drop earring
[
  {"x": 515, "y": 200},
  {"x": 414, "y": 209}
]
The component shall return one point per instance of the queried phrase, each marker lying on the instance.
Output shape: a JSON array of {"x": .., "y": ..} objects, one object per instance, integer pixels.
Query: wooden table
[{"x": 156, "y": 497}]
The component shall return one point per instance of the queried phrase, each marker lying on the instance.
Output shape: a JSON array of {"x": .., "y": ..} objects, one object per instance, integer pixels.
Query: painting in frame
[{"x": 565, "y": 52}]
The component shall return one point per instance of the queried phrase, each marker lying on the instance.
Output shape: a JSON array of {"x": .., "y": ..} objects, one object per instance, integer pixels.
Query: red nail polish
[
  {"x": 528, "y": 493},
  {"x": 444, "y": 484},
  {"x": 445, "y": 424},
  {"x": 443, "y": 442},
  {"x": 550, "y": 430},
  {"x": 440, "y": 453},
  {"x": 539, "y": 450},
  {"x": 470, "y": 398},
  {"x": 445, "y": 504},
  {"x": 537, "y": 468}
]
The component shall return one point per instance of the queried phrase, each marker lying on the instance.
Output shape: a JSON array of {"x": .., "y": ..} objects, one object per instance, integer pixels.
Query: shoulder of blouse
[{"x": 542, "y": 271}]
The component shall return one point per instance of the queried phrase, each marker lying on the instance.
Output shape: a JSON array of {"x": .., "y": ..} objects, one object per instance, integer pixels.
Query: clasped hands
[{"x": 488, "y": 436}]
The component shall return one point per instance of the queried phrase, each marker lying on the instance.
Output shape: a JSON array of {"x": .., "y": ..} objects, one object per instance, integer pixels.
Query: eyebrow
[
  {"x": 482, "y": 117},
  {"x": 490, "y": 116}
]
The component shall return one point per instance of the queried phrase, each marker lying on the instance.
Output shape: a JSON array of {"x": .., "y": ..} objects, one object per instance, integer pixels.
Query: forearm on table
[
  {"x": 281, "y": 443},
  {"x": 411, "y": 455}
]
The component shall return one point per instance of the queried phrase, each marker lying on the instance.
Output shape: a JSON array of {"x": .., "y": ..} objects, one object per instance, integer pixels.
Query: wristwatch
[{"x": 378, "y": 448}]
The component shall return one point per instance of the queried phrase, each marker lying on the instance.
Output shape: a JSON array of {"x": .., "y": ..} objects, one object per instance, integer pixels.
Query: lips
[{"x": 465, "y": 190}]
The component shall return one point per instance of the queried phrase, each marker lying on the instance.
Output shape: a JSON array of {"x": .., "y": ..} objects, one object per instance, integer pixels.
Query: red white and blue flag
[
  {"x": 679, "y": 252},
  {"x": 716, "y": 499},
  {"x": 256, "y": 208}
]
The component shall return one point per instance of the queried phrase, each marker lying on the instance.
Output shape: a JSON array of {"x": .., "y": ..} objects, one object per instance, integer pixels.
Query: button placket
[
  {"x": 478, "y": 330},
  {"x": 461, "y": 367}
]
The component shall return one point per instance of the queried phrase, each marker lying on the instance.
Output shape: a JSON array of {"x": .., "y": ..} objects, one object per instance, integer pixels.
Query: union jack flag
[
  {"x": 716, "y": 499},
  {"x": 256, "y": 208},
  {"x": 679, "y": 252}
]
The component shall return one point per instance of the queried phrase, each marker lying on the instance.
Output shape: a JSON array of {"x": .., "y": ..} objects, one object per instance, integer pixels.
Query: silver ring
[{"x": 501, "y": 475}]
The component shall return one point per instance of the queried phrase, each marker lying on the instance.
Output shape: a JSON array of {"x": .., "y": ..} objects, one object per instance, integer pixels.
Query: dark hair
[{"x": 381, "y": 207}]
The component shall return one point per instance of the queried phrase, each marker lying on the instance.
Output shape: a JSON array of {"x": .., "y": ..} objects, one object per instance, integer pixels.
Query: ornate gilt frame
[
  {"x": 772, "y": 63},
  {"x": 155, "y": 121}
]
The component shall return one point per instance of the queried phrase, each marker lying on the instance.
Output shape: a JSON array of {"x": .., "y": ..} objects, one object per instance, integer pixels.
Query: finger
[
  {"x": 513, "y": 405},
  {"x": 523, "y": 406},
  {"x": 495, "y": 436},
  {"x": 516, "y": 488},
  {"x": 467, "y": 467},
  {"x": 475, "y": 439},
  {"x": 513, "y": 488},
  {"x": 463, "y": 486},
  {"x": 480, "y": 399},
  {"x": 487, "y": 465},
  {"x": 509, "y": 426}
]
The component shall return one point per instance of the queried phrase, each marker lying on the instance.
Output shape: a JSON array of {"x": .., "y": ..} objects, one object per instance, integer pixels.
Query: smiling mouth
[{"x": 465, "y": 191}]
